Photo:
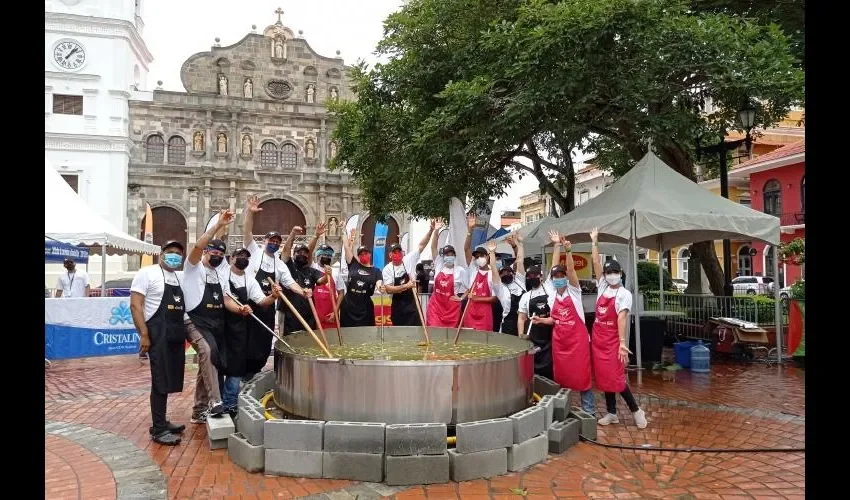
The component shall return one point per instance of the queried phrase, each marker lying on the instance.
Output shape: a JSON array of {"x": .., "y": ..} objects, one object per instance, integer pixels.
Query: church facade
[{"x": 253, "y": 121}]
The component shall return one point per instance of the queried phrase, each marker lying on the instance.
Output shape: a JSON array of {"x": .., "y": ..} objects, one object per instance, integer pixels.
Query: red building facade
[{"x": 778, "y": 187}]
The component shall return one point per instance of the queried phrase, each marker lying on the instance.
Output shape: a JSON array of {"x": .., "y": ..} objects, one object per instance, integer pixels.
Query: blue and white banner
[
  {"x": 379, "y": 251},
  {"x": 483, "y": 229},
  {"x": 56, "y": 251},
  {"x": 90, "y": 326}
]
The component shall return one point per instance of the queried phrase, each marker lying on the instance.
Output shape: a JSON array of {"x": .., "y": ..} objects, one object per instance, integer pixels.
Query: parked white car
[
  {"x": 785, "y": 293},
  {"x": 680, "y": 284},
  {"x": 752, "y": 285}
]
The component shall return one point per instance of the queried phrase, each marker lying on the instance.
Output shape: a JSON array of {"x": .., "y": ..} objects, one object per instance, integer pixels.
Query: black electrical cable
[{"x": 650, "y": 447}]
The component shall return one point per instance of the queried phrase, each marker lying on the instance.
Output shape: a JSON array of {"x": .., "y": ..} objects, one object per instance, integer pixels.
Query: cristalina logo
[{"x": 579, "y": 262}]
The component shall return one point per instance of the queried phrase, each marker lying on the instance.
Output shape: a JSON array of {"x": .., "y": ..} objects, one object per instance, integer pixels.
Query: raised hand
[
  {"x": 554, "y": 237},
  {"x": 297, "y": 230},
  {"x": 253, "y": 204},
  {"x": 321, "y": 229},
  {"x": 594, "y": 235},
  {"x": 470, "y": 222},
  {"x": 438, "y": 223},
  {"x": 567, "y": 245},
  {"x": 352, "y": 237},
  {"x": 225, "y": 217}
]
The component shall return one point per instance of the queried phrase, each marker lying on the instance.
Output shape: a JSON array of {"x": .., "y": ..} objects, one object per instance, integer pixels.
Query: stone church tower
[{"x": 252, "y": 121}]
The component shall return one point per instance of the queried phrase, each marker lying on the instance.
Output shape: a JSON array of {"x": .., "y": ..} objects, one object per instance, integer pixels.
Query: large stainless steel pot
[{"x": 403, "y": 391}]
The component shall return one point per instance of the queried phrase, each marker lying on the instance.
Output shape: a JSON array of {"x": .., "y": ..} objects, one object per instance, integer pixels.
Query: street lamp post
[{"x": 747, "y": 116}]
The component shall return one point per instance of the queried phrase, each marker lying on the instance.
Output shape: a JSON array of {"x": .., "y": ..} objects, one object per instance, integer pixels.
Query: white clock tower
[{"x": 95, "y": 60}]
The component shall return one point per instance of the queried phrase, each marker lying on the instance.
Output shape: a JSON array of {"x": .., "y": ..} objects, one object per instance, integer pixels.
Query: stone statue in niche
[
  {"x": 221, "y": 143},
  {"x": 334, "y": 94},
  {"x": 334, "y": 229},
  {"x": 198, "y": 141},
  {"x": 246, "y": 144},
  {"x": 278, "y": 49},
  {"x": 222, "y": 85},
  {"x": 249, "y": 88},
  {"x": 310, "y": 149},
  {"x": 311, "y": 93},
  {"x": 332, "y": 149}
]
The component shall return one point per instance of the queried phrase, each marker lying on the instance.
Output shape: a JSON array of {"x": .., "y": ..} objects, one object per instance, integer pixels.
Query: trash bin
[{"x": 651, "y": 340}]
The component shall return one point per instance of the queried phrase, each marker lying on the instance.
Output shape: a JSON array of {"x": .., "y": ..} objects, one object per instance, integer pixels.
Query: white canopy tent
[
  {"x": 653, "y": 206},
  {"x": 68, "y": 218}
]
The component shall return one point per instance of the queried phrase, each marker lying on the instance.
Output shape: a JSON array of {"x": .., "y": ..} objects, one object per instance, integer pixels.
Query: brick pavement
[{"x": 98, "y": 416}]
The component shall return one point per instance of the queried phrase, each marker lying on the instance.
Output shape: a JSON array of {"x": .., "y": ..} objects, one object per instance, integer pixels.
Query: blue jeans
[
  {"x": 230, "y": 391},
  {"x": 588, "y": 402}
]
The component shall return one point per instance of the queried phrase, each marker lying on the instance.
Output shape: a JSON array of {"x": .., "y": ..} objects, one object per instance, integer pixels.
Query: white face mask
[
  {"x": 449, "y": 260},
  {"x": 612, "y": 279},
  {"x": 481, "y": 261}
]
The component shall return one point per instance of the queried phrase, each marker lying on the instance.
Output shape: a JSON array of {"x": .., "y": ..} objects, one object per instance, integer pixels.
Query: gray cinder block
[
  {"x": 248, "y": 400},
  {"x": 562, "y": 408},
  {"x": 477, "y": 465},
  {"x": 484, "y": 435},
  {"x": 220, "y": 427},
  {"x": 416, "y": 439},
  {"x": 353, "y": 466},
  {"x": 417, "y": 469},
  {"x": 548, "y": 405},
  {"x": 528, "y": 453},
  {"x": 250, "y": 423},
  {"x": 250, "y": 457},
  {"x": 295, "y": 463},
  {"x": 246, "y": 389},
  {"x": 217, "y": 444},
  {"x": 263, "y": 383},
  {"x": 544, "y": 386},
  {"x": 354, "y": 437},
  {"x": 588, "y": 422},
  {"x": 303, "y": 435},
  {"x": 562, "y": 435},
  {"x": 527, "y": 423}
]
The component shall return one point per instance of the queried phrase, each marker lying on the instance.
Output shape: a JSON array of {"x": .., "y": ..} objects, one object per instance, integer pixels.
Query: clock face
[{"x": 69, "y": 55}]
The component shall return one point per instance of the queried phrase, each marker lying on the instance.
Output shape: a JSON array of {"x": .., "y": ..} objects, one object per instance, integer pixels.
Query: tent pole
[
  {"x": 660, "y": 275},
  {"x": 636, "y": 303},
  {"x": 777, "y": 306},
  {"x": 103, "y": 270}
]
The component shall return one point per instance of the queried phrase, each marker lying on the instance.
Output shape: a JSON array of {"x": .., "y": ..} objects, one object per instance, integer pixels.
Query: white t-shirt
[
  {"x": 408, "y": 265},
  {"x": 195, "y": 278},
  {"x": 73, "y": 284},
  {"x": 261, "y": 260},
  {"x": 624, "y": 296},
  {"x": 255, "y": 292},
  {"x": 461, "y": 276},
  {"x": 148, "y": 282},
  {"x": 514, "y": 288}
]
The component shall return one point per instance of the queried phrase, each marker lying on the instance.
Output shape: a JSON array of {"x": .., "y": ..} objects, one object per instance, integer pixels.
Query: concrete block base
[
  {"x": 484, "y": 435},
  {"x": 217, "y": 444},
  {"x": 563, "y": 435},
  {"x": 250, "y": 457},
  {"x": 353, "y": 466},
  {"x": 294, "y": 463},
  {"x": 588, "y": 422},
  {"x": 417, "y": 469},
  {"x": 220, "y": 427},
  {"x": 477, "y": 465},
  {"x": 528, "y": 453}
]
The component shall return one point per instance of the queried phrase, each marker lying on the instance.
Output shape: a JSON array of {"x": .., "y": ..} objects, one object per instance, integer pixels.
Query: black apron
[
  {"x": 208, "y": 318},
  {"x": 260, "y": 339},
  {"x": 236, "y": 334},
  {"x": 509, "y": 324},
  {"x": 402, "y": 306},
  {"x": 167, "y": 353},
  {"x": 304, "y": 278},
  {"x": 357, "y": 308},
  {"x": 541, "y": 336}
]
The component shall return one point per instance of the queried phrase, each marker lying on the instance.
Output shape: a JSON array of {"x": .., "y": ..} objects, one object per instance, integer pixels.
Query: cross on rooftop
[{"x": 279, "y": 13}]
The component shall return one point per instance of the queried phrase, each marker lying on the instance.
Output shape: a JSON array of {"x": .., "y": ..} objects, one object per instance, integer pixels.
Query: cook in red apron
[
  {"x": 479, "y": 314},
  {"x": 444, "y": 304},
  {"x": 324, "y": 302},
  {"x": 570, "y": 342}
]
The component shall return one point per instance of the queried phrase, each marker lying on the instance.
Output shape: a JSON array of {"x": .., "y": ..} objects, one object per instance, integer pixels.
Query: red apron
[
  {"x": 609, "y": 372},
  {"x": 570, "y": 347},
  {"x": 442, "y": 311},
  {"x": 479, "y": 315},
  {"x": 322, "y": 299}
]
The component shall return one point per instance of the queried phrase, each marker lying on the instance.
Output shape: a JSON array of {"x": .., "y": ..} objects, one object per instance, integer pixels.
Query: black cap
[
  {"x": 68, "y": 259},
  {"x": 363, "y": 249},
  {"x": 394, "y": 247},
  {"x": 480, "y": 250},
  {"x": 300, "y": 247},
  {"x": 325, "y": 248},
  {"x": 611, "y": 266},
  {"x": 274, "y": 234},
  {"x": 559, "y": 269},
  {"x": 534, "y": 270},
  {"x": 242, "y": 250},
  {"x": 449, "y": 248},
  {"x": 172, "y": 244},
  {"x": 217, "y": 245}
]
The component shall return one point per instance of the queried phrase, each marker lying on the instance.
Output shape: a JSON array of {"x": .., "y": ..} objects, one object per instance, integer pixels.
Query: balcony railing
[{"x": 791, "y": 218}]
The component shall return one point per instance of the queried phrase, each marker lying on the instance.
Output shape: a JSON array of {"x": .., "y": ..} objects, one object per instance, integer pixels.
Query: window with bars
[
  {"x": 268, "y": 156},
  {"x": 176, "y": 150},
  {"x": 67, "y": 104},
  {"x": 772, "y": 197},
  {"x": 155, "y": 149},
  {"x": 289, "y": 156}
]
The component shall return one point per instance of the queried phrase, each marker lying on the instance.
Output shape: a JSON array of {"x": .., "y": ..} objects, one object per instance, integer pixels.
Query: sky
[{"x": 174, "y": 30}]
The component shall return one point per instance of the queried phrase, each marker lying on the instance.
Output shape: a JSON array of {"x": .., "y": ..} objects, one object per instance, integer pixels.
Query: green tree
[{"x": 476, "y": 92}]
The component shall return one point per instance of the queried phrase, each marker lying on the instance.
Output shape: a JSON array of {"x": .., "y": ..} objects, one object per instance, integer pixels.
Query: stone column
[
  {"x": 321, "y": 143},
  {"x": 192, "y": 226},
  {"x": 235, "y": 145},
  {"x": 210, "y": 144},
  {"x": 135, "y": 211},
  {"x": 322, "y": 216},
  {"x": 207, "y": 212}
]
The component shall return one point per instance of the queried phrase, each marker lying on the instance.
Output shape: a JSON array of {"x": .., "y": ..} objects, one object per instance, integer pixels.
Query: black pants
[
  {"x": 628, "y": 397},
  {"x": 159, "y": 406}
]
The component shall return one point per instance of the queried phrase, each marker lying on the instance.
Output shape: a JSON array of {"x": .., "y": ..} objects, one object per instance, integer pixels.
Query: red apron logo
[{"x": 601, "y": 310}]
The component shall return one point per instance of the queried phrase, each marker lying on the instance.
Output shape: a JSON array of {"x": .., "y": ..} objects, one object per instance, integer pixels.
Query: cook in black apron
[
  {"x": 306, "y": 277},
  {"x": 357, "y": 308},
  {"x": 235, "y": 347},
  {"x": 208, "y": 318},
  {"x": 402, "y": 306},
  {"x": 259, "y": 339},
  {"x": 541, "y": 336},
  {"x": 167, "y": 360},
  {"x": 509, "y": 324}
]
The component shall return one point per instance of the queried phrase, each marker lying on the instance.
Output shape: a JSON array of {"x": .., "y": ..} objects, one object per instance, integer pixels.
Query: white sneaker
[
  {"x": 640, "y": 419},
  {"x": 608, "y": 419}
]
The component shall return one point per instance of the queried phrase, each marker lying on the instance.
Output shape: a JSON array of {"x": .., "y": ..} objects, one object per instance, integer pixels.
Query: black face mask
[
  {"x": 324, "y": 261},
  {"x": 300, "y": 260},
  {"x": 241, "y": 263},
  {"x": 69, "y": 267},
  {"x": 507, "y": 279},
  {"x": 532, "y": 283},
  {"x": 216, "y": 260}
]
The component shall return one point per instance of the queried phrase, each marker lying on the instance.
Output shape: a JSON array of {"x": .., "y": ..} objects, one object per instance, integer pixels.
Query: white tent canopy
[
  {"x": 670, "y": 210},
  {"x": 68, "y": 218}
]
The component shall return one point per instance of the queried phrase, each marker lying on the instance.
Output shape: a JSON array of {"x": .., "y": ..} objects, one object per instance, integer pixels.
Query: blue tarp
[
  {"x": 56, "y": 251},
  {"x": 500, "y": 232}
]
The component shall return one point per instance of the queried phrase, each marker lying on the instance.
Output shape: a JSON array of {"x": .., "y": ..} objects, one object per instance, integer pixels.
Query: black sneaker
[
  {"x": 232, "y": 411},
  {"x": 216, "y": 410},
  {"x": 166, "y": 438},
  {"x": 199, "y": 417},
  {"x": 176, "y": 429},
  {"x": 143, "y": 355}
]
